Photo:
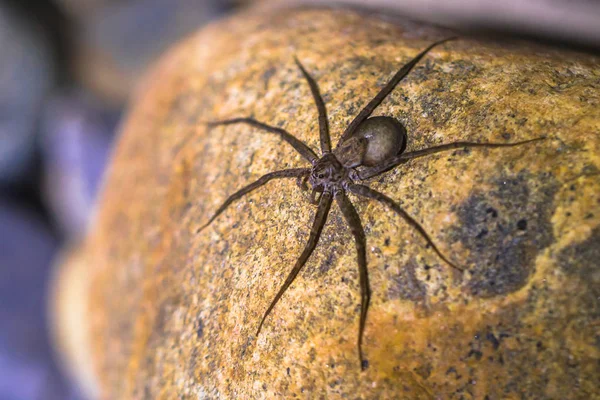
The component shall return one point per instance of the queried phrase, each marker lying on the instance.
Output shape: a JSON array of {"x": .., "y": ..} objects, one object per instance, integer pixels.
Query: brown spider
[{"x": 375, "y": 145}]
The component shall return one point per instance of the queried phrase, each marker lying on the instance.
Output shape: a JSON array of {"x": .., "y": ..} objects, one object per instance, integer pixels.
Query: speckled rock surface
[{"x": 174, "y": 313}]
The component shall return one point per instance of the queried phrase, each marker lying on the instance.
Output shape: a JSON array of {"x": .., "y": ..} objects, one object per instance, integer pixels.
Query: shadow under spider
[{"x": 368, "y": 147}]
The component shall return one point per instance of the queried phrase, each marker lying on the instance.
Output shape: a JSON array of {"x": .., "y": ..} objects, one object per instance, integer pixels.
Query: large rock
[{"x": 173, "y": 313}]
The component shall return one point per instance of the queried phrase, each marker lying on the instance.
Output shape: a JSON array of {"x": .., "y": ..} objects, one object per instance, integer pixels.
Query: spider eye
[{"x": 321, "y": 176}]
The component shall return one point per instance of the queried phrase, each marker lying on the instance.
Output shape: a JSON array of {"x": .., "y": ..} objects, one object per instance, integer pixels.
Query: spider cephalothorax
[
  {"x": 368, "y": 147},
  {"x": 328, "y": 174}
]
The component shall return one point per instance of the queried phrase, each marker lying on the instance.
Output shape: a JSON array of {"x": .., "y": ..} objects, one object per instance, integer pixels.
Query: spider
[{"x": 368, "y": 147}]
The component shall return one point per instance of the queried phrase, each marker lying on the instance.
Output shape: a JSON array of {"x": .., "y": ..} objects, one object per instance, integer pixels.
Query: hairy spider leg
[
  {"x": 323, "y": 122},
  {"x": 353, "y": 221},
  {"x": 297, "y": 144},
  {"x": 387, "y": 89},
  {"x": 370, "y": 172},
  {"x": 365, "y": 191},
  {"x": 313, "y": 239},
  {"x": 286, "y": 173}
]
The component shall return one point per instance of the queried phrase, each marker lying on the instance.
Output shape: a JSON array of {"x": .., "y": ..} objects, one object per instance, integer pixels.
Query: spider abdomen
[{"x": 375, "y": 140}]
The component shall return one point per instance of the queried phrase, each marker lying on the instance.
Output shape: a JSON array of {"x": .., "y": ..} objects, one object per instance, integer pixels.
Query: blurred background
[{"x": 67, "y": 68}]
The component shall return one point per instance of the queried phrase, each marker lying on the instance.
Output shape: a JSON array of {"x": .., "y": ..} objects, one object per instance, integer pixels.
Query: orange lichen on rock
[{"x": 173, "y": 313}]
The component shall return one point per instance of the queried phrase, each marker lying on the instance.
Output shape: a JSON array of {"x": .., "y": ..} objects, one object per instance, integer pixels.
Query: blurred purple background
[{"x": 67, "y": 68}]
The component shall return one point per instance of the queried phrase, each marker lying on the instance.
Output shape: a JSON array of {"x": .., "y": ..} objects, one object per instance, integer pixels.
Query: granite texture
[{"x": 173, "y": 313}]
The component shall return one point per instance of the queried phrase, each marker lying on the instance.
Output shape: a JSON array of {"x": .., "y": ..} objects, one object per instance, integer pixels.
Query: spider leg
[
  {"x": 286, "y": 173},
  {"x": 365, "y": 191},
  {"x": 370, "y": 172},
  {"x": 297, "y": 144},
  {"x": 457, "y": 145},
  {"x": 323, "y": 123},
  {"x": 355, "y": 225},
  {"x": 387, "y": 89},
  {"x": 313, "y": 239}
]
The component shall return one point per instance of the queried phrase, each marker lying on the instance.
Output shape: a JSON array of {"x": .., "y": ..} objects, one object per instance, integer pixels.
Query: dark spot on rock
[
  {"x": 364, "y": 364},
  {"x": 387, "y": 241},
  {"x": 482, "y": 233},
  {"x": 245, "y": 345},
  {"x": 406, "y": 286},
  {"x": 492, "y": 212},
  {"x": 475, "y": 354},
  {"x": 327, "y": 263},
  {"x": 583, "y": 259},
  {"x": 539, "y": 346},
  {"x": 492, "y": 339},
  {"x": 199, "y": 327},
  {"x": 312, "y": 354},
  {"x": 266, "y": 76},
  {"x": 424, "y": 371},
  {"x": 501, "y": 251}
]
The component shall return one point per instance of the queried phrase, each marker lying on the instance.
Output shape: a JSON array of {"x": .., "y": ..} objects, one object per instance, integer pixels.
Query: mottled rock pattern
[{"x": 174, "y": 313}]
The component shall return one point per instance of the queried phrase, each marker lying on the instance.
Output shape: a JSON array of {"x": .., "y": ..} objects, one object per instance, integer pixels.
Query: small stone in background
[
  {"x": 27, "y": 367},
  {"x": 26, "y": 75},
  {"x": 76, "y": 136},
  {"x": 119, "y": 40}
]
